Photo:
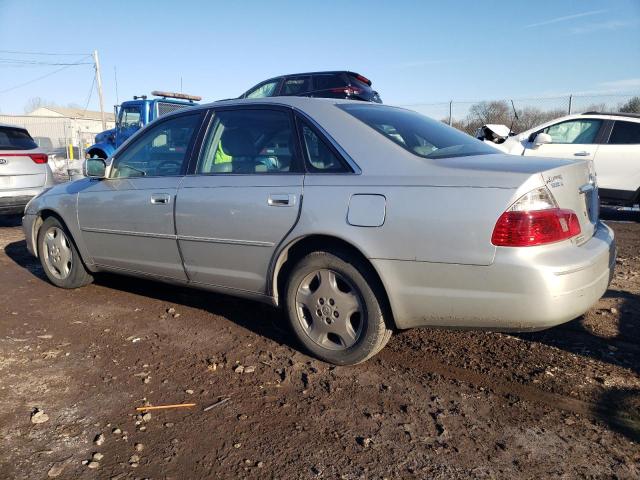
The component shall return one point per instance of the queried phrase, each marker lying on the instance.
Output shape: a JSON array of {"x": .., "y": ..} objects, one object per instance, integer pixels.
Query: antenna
[{"x": 515, "y": 117}]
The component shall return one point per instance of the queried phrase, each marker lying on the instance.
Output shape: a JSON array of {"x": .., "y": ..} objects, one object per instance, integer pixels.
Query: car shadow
[
  {"x": 10, "y": 220},
  {"x": 262, "y": 319},
  {"x": 619, "y": 215},
  {"x": 618, "y": 406}
]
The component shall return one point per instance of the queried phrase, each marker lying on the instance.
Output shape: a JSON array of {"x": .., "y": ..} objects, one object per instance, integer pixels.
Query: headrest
[{"x": 238, "y": 142}]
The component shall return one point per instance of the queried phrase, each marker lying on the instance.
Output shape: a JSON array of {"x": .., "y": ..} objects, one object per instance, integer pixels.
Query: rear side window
[
  {"x": 320, "y": 158},
  {"x": 625, "y": 133},
  {"x": 296, "y": 85},
  {"x": 246, "y": 141},
  {"x": 16, "y": 139},
  {"x": 418, "y": 134},
  {"x": 329, "y": 81}
]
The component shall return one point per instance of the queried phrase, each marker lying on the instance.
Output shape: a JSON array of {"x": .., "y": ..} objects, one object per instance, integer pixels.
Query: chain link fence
[{"x": 523, "y": 113}]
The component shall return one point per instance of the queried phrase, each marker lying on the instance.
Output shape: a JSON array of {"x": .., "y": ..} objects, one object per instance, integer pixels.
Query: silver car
[
  {"x": 24, "y": 171},
  {"x": 356, "y": 218}
]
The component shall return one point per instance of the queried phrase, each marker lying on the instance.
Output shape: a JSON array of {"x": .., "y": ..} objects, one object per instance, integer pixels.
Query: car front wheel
[
  {"x": 334, "y": 308},
  {"x": 59, "y": 257}
]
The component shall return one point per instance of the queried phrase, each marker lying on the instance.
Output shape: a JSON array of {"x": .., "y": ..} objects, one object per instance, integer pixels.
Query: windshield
[
  {"x": 418, "y": 134},
  {"x": 16, "y": 139}
]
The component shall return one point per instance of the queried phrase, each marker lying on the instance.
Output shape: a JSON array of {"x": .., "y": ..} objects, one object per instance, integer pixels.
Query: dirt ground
[{"x": 564, "y": 403}]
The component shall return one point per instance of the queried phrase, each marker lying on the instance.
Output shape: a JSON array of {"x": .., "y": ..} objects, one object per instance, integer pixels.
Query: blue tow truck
[{"x": 134, "y": 114}]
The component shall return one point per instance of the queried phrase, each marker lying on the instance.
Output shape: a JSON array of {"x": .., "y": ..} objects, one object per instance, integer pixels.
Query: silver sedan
[{"x": 358, "y": 219}]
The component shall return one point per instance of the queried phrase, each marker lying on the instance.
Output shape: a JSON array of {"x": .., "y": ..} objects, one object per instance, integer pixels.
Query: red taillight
[
  {"x": 537, "y": 227},
  {"x": 347, "y": 90},
  {"x": 39, "y": 157},
  {"x": 36, "y": 157}
]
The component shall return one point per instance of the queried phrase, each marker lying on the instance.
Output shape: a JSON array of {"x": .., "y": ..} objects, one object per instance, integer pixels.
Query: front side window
[
  {"x": 580, "y": 131},
  {"x": 248, "y": 142},
  {"x": 16, "y": 139},
  {"x": 625, "y": 133},
  {"x": 267, "y": 89},
  {"x": 161, "y": 150},
  {"x": 296, "y": 85},
  {"x": 130, "y": 117},
  {"x": 416, "y": 133}
]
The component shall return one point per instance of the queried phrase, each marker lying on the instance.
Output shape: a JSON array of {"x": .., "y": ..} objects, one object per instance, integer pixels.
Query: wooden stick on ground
[
  {"x": 217, "y": 404},
  {"x": 163, "y": 407}
]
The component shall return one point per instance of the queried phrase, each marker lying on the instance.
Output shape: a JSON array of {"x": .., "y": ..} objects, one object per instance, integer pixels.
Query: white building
[{"x": 67, "y": 131}]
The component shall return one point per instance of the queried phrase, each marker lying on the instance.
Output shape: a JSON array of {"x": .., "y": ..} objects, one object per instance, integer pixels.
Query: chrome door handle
[
  {"x": 160, "y": 199},
  {"x": 281, "y": 200},
  {"x": 582, "y": 154}
]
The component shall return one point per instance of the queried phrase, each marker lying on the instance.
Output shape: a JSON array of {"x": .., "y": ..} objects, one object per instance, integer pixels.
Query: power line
[
  {"x": 43, "y": 53},
  {"x": 93, "y": 82},
  {"x": 36, "y": 79},
  {"x": 17, "y": 62}
]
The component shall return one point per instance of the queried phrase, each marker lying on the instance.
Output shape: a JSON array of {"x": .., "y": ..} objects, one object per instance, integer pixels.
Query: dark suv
[{"x": 341, "y": 84}]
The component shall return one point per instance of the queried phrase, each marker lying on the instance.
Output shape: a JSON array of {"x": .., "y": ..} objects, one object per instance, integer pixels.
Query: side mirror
[
  {"x": 94, "y": 167},
  {"x": 542, "y": 139}
]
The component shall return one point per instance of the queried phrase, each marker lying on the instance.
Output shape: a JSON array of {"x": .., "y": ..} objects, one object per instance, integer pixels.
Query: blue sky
[{"x": 414, "y": 51}]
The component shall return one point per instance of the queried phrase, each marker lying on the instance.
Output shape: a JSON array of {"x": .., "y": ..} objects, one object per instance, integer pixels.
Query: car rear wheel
[
  {"x": 334, "y": 310},
  {"x": 59, "y": 257}
]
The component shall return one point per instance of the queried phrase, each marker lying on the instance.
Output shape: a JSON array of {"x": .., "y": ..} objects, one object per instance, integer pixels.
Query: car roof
[
  {"x": 8, "y": 125},
  {"x": 323, "y": 72},
  {"x": 289, "y": 101},
  {"x": 614, "y": 114}
]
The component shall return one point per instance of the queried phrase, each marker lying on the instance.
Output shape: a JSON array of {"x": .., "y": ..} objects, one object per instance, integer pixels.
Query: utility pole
[{"x": 99, "y": 86}]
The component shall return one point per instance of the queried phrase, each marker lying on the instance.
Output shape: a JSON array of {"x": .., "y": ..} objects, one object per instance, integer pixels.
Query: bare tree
[
  {"x": 530, "y": 117},
  {"x": 37, "y": 102},
  {"x": 632, "y": 106}
]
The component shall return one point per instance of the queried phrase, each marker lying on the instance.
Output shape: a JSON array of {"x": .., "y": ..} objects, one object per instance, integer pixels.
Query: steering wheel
[{"x": 168, "y": 167}]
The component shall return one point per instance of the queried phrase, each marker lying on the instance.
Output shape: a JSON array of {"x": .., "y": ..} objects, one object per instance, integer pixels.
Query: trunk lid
[{"x": 574, "y": 187}]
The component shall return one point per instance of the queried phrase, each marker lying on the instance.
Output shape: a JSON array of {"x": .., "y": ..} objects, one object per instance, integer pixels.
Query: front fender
[
  {"x": 61, "y": 201},
  {"x": 107, "y": 148}
]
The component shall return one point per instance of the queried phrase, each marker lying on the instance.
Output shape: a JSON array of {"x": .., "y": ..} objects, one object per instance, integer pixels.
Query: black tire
[
  {"x": 357, "y": 279},
  {"x": 63, "y": 274}
]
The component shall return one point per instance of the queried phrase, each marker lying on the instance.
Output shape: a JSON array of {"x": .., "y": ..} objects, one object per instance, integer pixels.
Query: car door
[
  {"x": 575, "y": 139},
  {"x": 618, "y": 160},
  {"x": 242, "y": 199},
  {"x": 127, "y": 219}
]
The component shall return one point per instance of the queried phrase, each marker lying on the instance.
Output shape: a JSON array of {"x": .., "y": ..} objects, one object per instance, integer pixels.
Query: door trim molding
[
  {"x": 230, "y": 241},
  {"x": 187, "y": 238},
  {"x": 127, "y": 232}
]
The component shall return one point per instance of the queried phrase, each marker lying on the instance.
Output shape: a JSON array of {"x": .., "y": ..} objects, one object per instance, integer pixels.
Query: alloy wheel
[{"x": 330, "y": 309}]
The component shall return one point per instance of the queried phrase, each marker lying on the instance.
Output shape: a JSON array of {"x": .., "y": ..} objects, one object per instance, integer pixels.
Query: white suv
[
  {"x": 24, "y": 169},
  {"x": 610, "y": 140}
]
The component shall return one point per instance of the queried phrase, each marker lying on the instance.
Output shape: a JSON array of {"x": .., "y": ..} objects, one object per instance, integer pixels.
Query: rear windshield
[
  {"x": 16, "y": 139},
  {"x": 358, "y": 83},
  {"x": 418, "y": 134}
]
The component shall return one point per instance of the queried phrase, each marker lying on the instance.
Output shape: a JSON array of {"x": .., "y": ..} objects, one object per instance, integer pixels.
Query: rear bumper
[
  {"x": 15, "y": 204},
  {"x": 524, "y": 289}
]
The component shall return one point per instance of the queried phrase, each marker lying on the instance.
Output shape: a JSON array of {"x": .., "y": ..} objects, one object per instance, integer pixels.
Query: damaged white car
[{"x": 610, "y": 140}]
